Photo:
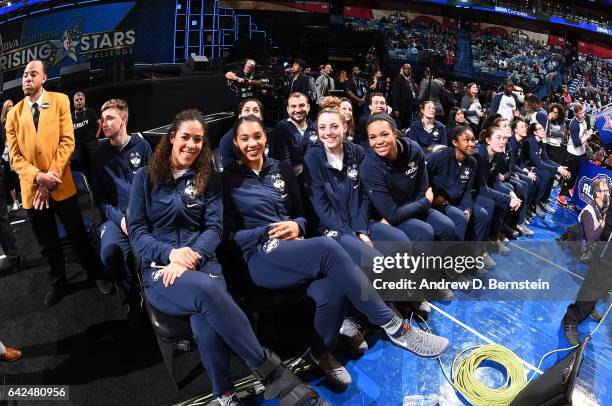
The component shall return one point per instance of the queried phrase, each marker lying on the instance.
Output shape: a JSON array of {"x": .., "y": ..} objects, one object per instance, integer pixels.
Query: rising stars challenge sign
[{"x": 67, "y": 47}]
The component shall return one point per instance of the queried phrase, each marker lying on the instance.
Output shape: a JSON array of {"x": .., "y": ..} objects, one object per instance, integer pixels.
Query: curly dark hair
[{"x": 159, "y": 166}]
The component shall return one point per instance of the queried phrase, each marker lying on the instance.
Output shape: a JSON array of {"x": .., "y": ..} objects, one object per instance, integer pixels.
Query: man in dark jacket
[
  {"x": 433, "y": 90},
  {"x": 404, "y": 97},
  {"x": 298, "y": 82}
]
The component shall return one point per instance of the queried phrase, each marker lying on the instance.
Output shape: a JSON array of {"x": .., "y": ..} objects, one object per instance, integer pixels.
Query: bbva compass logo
[{"x": 585, "y": 186}]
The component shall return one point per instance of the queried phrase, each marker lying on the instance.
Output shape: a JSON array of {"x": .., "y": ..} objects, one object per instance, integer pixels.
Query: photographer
[
  {"x": 598, "y": 226},
  {"x": 243, "y": 82}
]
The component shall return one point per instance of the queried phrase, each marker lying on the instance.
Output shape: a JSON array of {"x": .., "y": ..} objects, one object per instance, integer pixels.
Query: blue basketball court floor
[{"x": 529, "y": 325}]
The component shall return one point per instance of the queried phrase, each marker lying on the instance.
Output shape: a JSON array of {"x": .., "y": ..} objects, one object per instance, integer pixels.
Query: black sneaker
[
  {"x": 353, "y": 337},
  {"x": 570, "y": 329}
]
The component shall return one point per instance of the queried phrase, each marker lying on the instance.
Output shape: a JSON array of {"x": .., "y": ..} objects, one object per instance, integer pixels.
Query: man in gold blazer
[{"x": 41, "y": 139}]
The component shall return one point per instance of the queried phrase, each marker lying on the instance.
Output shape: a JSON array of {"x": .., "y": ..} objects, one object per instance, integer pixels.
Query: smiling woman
[{"x": 175, "y": 223}]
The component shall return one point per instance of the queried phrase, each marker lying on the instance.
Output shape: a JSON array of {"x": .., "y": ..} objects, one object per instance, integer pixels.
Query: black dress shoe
[
  {"x": 570, "y": 329},
  {"x": 56, "y": 293},
  {"x": 105, "y": 287},
  {"x": 17, "y": 262},
  {"x": 595, "y": 315}
]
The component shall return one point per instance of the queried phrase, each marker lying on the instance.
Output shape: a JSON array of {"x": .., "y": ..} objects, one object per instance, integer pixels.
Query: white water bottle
[{"x": 420, "y": 400}]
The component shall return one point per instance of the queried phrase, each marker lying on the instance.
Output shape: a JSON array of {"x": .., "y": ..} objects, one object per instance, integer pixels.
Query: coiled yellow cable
[{"x": 465, "y": 381}]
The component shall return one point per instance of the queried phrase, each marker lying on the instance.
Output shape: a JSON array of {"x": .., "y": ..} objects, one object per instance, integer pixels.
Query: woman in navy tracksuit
[
  {"x": 331, "y": 170},
  {"x": 426, "y": 130},
  {"x": 265, "y": 218},
  {"x": 511, "y": 182},
  {"x": 515, "y": 149},
  {"x": 544, "y": 168},
  {"x": 396, "y": 181},
  {"x": 175, "y": 224},
  {"x": 229, "y": 153},
  {"x": 487, "y": 183}
]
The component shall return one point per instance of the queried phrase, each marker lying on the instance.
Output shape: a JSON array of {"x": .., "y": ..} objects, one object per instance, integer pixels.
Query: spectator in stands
[
  {"x": 39, "y": 154},
  {"x": 579, "y": 134},
  {"x": 113, "y": 169},
  {"x": 87, "y": 126},
  {"x": 505, "y": 103},
  {"x": 376, "y": 84},
  {"x": 535, "y": 112},
  {"x": 597, "y": 225},
  {"x": 324, "y": 83},
  {"x": 266, "y": 219},
  {"x": 378, "y": 104},
  {"x": 471, "y": 107},
  {"x": 228, "y": 151},
  {"x": 545, "y": 169},
  {"x": 404, "y": 97},
  {"x": 456, "y": 119},
  {"x": 556, "y": 133},
  {"x": 342, "y": 81},
  {"x": 426, "y": 130},
  {"x": 346, "y": 108},
  {"x": 566, "y": 98},
  {"x": 396, "y": 180},
  {"x": 11, "y": 180},
  {"x": 9, "y": 354},
  {"x": 175, "y": 223},
  {"x": 298, "y": 81},
  {"x": 292, "y": 136},
  {"x": 432, "y": 89},
  {"x": 356, "y": 91}
]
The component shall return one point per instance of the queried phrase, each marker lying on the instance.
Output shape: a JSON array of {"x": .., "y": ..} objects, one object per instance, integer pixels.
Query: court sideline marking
[
  {"x": 547, "y": 261},
  {"x": 481, "y": 336}
]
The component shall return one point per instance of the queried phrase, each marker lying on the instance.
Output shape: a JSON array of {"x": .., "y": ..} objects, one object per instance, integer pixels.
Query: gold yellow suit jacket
[{"x": 48, "y": 149}]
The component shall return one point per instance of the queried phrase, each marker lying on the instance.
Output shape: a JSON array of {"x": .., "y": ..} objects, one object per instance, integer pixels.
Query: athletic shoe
[
  {"x": 355, "y": 341},
  {"x": 523, "y": 229},
  {"x": 595, "y": 315},
  {"x": 570, "y": 329},
  {"x": 547, "y": 208},
  {"x": 418, "y": 341},
  {"x": 501, "y": 237},
  {"x": 335, "y": 371},
  {"x": 499, "y": 247},
  {"x": 230, "y": 399},
  {"x": 16, "y": 205},
  {"x": 422, "y": 308},
  {"x": 562, "y": 200},
  {"x": 540, "y": 211},
  {"x": 488, "y": 261}
]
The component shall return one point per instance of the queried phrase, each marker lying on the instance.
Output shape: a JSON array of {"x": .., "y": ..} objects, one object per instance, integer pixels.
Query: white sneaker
[
  {"x": 230, "y": 399},
  {"x": 16, "y": 205}
]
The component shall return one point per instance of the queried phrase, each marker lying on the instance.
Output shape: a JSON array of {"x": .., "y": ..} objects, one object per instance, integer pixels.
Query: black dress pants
[
  {"x": 595, "y": 286},
  {"x": 7, "y": 237},
  {"x": 45, "y": 232}
]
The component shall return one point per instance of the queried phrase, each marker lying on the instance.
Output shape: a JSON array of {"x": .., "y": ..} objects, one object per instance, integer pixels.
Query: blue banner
[
  {"x": 584, "y": 182},
  {"x": 603, "y": 123},
  {"x": 138, "y": 31}
]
